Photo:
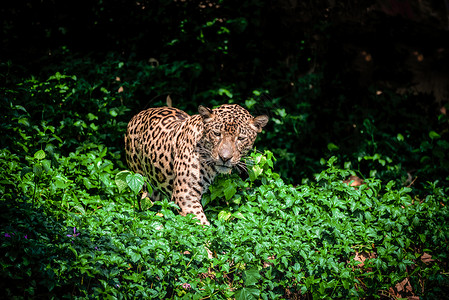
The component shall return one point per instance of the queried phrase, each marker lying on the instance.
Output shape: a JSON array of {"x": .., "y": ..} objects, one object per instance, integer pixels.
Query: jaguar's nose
[{"x": 225, "y": 155}]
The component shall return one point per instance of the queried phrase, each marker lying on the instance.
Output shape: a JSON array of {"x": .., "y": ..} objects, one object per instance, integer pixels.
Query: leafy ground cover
[{"x": 73, "y": 228}]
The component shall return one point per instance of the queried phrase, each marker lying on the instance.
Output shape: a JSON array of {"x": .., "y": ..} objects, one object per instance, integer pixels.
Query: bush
[
  {"x": 296, "y": 227},
  {"x": 72, "y": 232}
]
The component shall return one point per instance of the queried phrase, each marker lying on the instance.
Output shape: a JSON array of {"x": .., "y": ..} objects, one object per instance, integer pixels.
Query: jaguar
[{"x": 182, "y": 154}]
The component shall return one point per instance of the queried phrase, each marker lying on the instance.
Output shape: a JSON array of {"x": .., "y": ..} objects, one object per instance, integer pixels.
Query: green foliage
[
  {"x": 73, "y": 229},
  {"x": 302, "y": 239},
  {"x": 72, "y": 107},
  {"x": 127, "y": 178},
  {"x": 306, "y": 238},
  {"x": 73, "y": 224}
]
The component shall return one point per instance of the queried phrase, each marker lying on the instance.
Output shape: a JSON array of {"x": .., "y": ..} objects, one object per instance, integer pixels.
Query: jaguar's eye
[
  {"x": 241, "y": 138},
  {"x": 217, "y": 133}
]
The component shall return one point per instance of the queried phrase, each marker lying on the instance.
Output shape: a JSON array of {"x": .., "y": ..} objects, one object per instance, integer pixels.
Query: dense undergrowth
[
  {"x": 71, "y": 229},
  {"x": 355, "y": 205}
]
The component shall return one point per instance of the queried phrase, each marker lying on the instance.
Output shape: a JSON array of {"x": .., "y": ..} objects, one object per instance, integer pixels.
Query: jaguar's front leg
[
  {"x": 187, "y": 195},
  {"x": 187, "y": 192}
]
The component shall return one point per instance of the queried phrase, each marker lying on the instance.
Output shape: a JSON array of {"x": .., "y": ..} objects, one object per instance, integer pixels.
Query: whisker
[
  {"x": 239, "y": 168},
  {"x": 250, "y": 163},
  {"x": 242, "y": 167}
]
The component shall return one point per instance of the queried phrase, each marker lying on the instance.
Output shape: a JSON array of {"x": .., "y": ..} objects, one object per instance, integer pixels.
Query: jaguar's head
[{"x": 229, "y": 133}]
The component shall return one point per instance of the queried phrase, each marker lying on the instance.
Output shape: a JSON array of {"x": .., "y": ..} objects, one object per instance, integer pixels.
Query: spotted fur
[{"x": 181, "y": 154}]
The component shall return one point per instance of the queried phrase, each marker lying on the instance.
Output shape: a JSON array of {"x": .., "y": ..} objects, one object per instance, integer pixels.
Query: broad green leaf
[
  {"x": 37, "y": 170},
  {"x": 120, "y": 180},
  {"x": 215, "y": 193},
  {"x": 256, "y": 171},
  {"x": 270, "y": 196},
  {"x": 46, "y": 164},
  {"x": 270, "y": 162},
  {"x": 238, "y": 215},
  {"x": 433, "y": 135},
  {"x": 250, "y": 102},
  {"x": 24, "y": 121},
  {"x": 263, "y": 160},
  {"x": 146, "y": 203},
  {"x": 252, "y": 276},
  {"x": 422, "y": 237},
  {"x": 223, "y": 91},
  {"x": 87, "y": 183},
  {"x": 93, "y": 126},
  {"x": 224, "y": 215},
  {"x": 113, "y": 112},
  {"x": 60, "y": 182},
  {"x": 135, "y": 257},
  {"x": 135, "y": 182},
  {"x": 296, "y": 210},
  {"x": 247, "y": 293},
  {"x": 229, "y": 191},
  {"x": 39, "y": 154},
  {"x": 80, "y": 209},
  {"x": 332, "y": 147},
  {"x": 425, "y": 159},
  {"x": 20, "y": 107},
  {"x": 257, "y": 157},
  {"x": 92, "y": 117},
  {"x": 297, "y": 267}
]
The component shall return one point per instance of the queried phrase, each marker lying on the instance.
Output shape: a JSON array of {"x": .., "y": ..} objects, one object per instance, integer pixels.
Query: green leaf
[
  {"x": 229, "y": 190},
  {"x": 46, "y": 164},
  {"x": 257, "y": 171},
  {"x": 37, "y": 170},
  {"x": 252, "y": 276},
  {"x": 93, "y": 126},
  {"x": 135, "y": 257},
  {"x": 73, "y": 250},
  {"x": 247, "y": 293},
  {"x": 113, "y": 113},
  {"x": 223, "y": 91},
  {"x": 87, "y": 183},
  {"x": 120, "y": 180},
  {"x": 146, "y": 203},
  {"x": 24, "y": 121},
  {"x": 60, "y": 182},
  {"x": 39, "y": 155},
  {"x": 135, "y": 182},
  {"x": 332, "y": 147},
  {"x": 224, "y": 215},
  {"x": 433, "y": 135},
  {"x": 238, "y": 215},
  {"x": 422, "y": 237},
  {"x": 92, "y": 117},
  {"x": 400, "y": 137}
]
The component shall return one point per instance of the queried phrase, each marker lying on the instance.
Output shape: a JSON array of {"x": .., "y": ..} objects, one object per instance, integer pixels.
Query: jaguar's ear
[
  {"x": 259, "y": 122},
  {"x": 205, "y": 112}
]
